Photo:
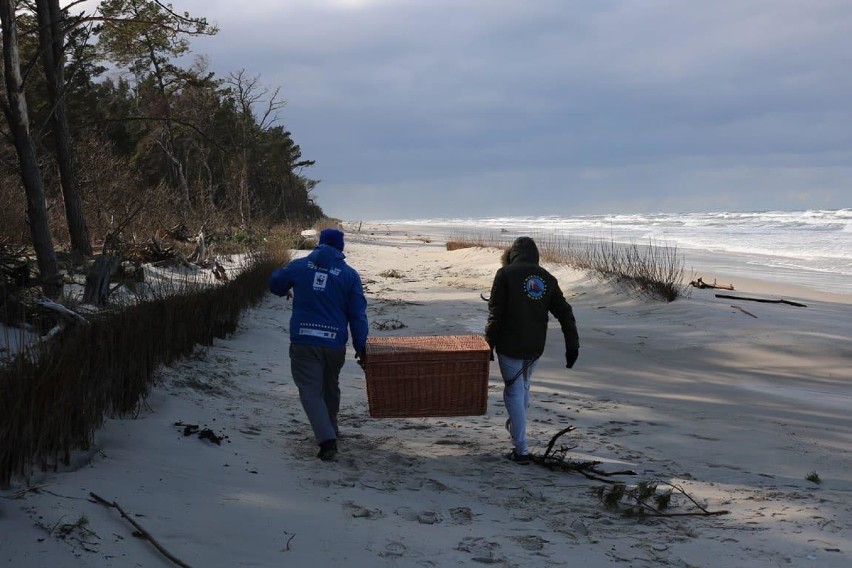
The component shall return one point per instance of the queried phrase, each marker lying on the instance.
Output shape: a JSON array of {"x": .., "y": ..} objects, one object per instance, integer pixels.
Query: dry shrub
[
  {"x": 279, "y": 242},
  {"x": 456, "y": 245},
  {"x": 471, "y": 239},
  {"x": 652, "y": 269}
]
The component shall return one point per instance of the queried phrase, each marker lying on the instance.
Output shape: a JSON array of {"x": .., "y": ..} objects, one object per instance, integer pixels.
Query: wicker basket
[{"x": 427, "y": 376}]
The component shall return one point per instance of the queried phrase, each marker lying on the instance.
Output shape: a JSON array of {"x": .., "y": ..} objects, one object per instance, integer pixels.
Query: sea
[{"x": 812, "y": 248}]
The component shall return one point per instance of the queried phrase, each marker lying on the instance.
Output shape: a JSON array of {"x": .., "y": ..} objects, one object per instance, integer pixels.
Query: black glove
[
  {"x": 361, "y": 358},
  {"x": 571, "y": 357}
]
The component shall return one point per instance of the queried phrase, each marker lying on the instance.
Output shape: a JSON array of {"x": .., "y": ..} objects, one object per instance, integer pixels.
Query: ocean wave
[{"x": 812, "y": 247}]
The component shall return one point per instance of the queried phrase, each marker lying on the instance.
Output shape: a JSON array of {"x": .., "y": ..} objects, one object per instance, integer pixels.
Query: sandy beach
[{"x": 736, "y": 407}]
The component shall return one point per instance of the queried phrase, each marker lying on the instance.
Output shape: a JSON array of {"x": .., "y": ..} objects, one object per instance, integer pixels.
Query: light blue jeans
[{"x": 517, "y": 374}]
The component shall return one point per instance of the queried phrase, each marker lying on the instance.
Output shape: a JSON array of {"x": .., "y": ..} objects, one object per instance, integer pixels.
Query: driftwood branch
[
  {"x": 612, "y": 497},
  {"x": 699, "y": 283},
  {"x": 142, "y": 532},
  {"x": 764, "y": 300},
  {"x": 743, "y": 310},
  {"x": 642, "y": 493},
  {"x": 555, "y": 459},
  {"x": 63, "y": 312},
  {"x": 554, "y": 438},
  {"x": 636, "y": 501},
  {"x": 680, "y": 490},
  {"x": 65, "y": 315}
]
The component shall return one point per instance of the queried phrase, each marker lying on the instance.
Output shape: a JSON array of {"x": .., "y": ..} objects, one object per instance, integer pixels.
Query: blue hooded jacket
[{"x": 327, "y": 297}]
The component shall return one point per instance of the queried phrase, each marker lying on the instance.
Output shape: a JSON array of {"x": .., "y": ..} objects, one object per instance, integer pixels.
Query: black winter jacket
[{"x": 522, "y": 295}]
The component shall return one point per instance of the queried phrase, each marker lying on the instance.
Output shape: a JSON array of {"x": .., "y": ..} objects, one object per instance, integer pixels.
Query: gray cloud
[{"x": 470, "y": 108}]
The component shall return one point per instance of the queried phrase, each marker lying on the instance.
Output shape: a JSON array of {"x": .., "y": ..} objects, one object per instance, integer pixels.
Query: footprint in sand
[
  {"x": 531, "y": 542},
  {"x": 393, "y": 550},
  {"x": 428, "y": 518},
  {"x": 360, "y": 512},
  {"x": 251, "y": 431},
  {"x": 461, "y": 515},
  {"x": 406, "y": 513},
  {"x": 481, "y": 550},
  {"x": 422, "y": 517}
]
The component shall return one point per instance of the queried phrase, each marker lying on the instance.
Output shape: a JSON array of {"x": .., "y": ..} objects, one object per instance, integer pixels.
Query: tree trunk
[
  {"x": 52, "y": 43},
  {"x": 16, "y": 113},
  {"x": 245, "y": 207},
  {"x": 97, "y": 280},
  {"x": 169, "y": 147}
]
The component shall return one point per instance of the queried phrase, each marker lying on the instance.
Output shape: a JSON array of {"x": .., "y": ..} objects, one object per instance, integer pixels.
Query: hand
[
  {"x": 361, "y": 358},
  {"x": 571, "y": 357}
]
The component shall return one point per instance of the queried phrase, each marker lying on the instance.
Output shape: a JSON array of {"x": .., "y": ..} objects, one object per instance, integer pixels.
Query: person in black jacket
[{"x": 522, "y": 295}]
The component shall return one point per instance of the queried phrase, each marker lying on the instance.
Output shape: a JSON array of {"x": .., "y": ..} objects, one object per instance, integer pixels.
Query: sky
[{"x": 481, "y": 108}]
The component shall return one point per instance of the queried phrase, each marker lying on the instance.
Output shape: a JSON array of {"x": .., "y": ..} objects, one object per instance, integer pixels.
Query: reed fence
[{"x": 56, "y": 394}]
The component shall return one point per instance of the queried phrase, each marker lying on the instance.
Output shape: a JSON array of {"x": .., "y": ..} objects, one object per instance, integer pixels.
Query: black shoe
[
  {"x": 520, "y": 459},
  {"x": 509, "y": 425},
  {"x": 328, "y": 450}
]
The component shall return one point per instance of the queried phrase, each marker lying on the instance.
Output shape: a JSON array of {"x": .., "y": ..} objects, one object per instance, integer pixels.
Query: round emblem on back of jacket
[{"x": 535, "y": 287}]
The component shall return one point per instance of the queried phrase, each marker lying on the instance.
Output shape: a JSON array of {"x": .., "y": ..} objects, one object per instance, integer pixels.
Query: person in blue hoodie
[{"x": 328, "y": 303}]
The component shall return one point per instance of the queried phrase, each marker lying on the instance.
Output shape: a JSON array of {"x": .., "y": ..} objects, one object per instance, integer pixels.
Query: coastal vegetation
[
  {"x": 651, "y": 269},
  {"x": 122, "y": 152},
  {"x": 115, "y": 135}
]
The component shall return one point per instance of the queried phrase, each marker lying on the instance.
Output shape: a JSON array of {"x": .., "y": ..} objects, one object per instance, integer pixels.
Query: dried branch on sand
[
  {"x": 645, "y": 498},
  {"x": 699, "y": 283},
  {"x": 763, "y": 300},
  {"x": 142, "y": 533}
]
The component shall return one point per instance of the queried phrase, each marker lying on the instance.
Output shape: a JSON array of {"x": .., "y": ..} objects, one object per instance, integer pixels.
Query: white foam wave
[{"x": 815, "y": 242}]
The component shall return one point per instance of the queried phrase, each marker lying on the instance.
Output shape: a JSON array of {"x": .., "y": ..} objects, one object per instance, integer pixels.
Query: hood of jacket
[
  {"x": 325, "y": 256},
  {"x": 523, "y": 249}
]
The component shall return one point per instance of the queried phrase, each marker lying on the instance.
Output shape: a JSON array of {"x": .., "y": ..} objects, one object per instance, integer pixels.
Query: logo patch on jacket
[
  {"x": 535, "y": 287},
  {"x": 320, "y": 279}
]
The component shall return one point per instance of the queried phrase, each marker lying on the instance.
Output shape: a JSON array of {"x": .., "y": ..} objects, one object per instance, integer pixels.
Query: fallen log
[
  {"x": 764, "y": 300},
  {"x": 65, "y": 315}
]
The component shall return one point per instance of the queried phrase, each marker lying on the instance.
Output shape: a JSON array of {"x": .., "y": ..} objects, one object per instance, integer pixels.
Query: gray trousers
[{"x": 316, "y": 372}]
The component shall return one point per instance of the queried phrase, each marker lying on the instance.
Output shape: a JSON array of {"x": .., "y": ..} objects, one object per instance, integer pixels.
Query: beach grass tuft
[{"x": 651, "y": 269}]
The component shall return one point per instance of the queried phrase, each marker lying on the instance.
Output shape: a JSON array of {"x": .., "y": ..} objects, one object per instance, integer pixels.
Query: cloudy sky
[{"x": 438, "y": 108}]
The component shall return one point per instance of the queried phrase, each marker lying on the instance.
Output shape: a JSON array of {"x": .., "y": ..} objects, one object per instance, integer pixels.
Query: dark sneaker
[
  {"x": 509, "y": 425},
  {"x": 520, "y": 459},
  {"x": 328, "y": 450}
]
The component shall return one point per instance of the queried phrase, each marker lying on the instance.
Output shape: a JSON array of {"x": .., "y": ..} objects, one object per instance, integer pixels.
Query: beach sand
[{"x": 736, "y": 408}]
